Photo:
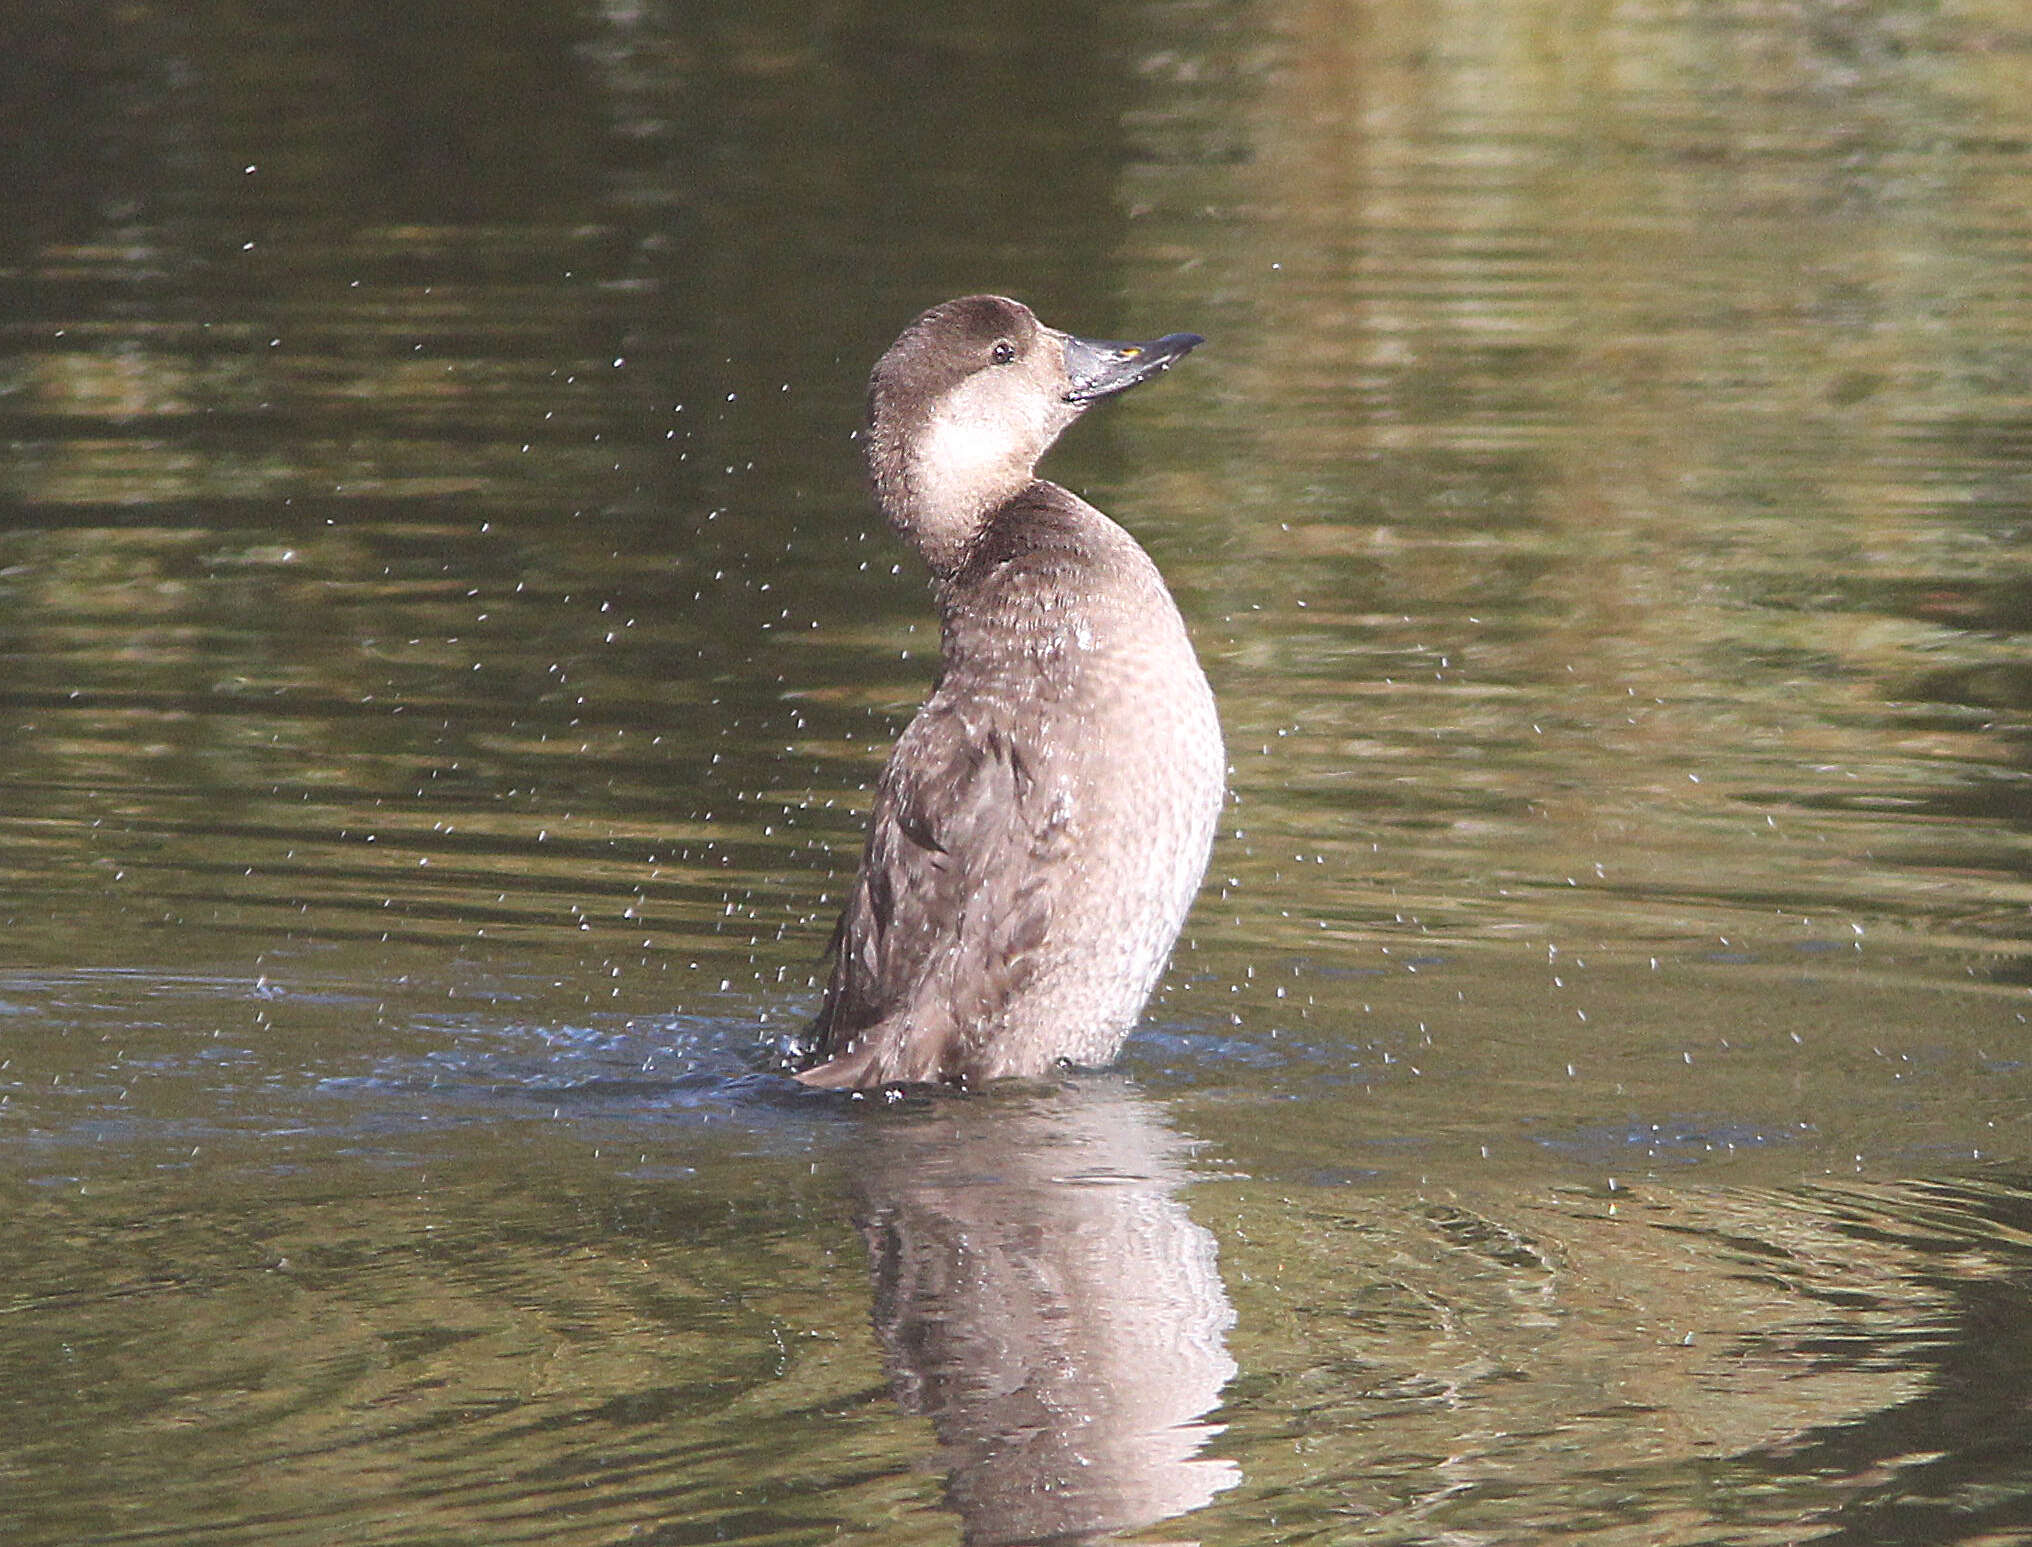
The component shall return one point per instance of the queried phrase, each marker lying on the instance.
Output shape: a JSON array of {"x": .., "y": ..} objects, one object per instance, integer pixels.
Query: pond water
[{"x": 447, "y": 646}]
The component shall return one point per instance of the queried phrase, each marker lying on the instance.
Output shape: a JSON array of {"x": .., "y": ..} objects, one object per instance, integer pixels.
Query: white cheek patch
[
  {"x": 968, "y": 458},
  {"x": 956, "y": 446}
]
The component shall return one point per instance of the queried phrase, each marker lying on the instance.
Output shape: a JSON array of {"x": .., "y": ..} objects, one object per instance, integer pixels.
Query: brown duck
[{"x": 1042, "y": 825}]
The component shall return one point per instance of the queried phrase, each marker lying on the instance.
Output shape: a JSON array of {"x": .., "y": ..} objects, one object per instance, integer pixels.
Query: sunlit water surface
[{"x": 447, "y": 645}]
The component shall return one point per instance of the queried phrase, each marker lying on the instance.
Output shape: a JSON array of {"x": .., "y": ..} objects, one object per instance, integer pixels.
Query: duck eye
[{"x": 1003, "y": 352}]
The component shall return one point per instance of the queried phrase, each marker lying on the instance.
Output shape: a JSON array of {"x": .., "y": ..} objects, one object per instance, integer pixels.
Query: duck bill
[{"x": 1100, "y": 368}]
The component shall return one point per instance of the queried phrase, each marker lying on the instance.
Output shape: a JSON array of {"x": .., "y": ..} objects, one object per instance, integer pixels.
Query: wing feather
[{"x": 944, "y": 923}]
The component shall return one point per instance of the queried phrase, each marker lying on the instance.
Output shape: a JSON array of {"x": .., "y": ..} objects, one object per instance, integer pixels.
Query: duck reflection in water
[
  {"x": 1044, "y": 1298},
  {"x": 1045, "y": 820}
]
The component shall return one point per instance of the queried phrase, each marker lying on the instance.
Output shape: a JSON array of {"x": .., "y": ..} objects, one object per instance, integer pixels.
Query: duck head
[{"x": 967, "y": 400}]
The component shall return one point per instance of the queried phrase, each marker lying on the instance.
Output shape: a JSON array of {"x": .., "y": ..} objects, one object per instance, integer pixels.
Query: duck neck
[{"x": 935, "y": 502}]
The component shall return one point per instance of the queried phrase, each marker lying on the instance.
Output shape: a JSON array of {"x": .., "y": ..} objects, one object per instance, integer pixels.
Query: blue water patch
[
  {"x": 1183, "y": 1053},
  {"x": 637, "y": 1064},
  {"x": 1678, "y": 1139}
]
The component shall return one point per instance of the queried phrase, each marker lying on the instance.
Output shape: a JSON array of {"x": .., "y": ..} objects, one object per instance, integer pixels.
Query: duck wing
[{"x": 945, "y": 921}]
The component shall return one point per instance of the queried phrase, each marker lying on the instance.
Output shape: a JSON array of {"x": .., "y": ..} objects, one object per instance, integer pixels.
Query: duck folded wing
[{"x": 943, "y": 928}]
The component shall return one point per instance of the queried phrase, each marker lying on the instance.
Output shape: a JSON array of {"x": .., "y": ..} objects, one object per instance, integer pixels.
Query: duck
[{"x": 1043, "y": 824}]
